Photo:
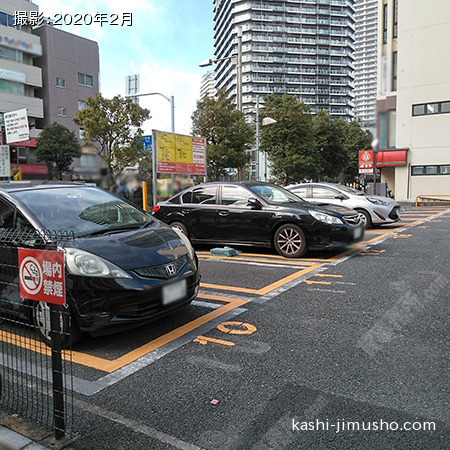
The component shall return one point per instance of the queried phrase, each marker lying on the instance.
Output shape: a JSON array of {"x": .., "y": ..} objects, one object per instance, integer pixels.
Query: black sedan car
[
  {"x": 123, "y": 266},
  {"x": 258, "y": 214}
]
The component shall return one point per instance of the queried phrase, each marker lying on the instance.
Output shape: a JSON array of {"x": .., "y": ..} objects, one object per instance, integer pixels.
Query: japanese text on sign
[
  {"x": 42, "y": 275},
  {"x": 182, "y": 154}
]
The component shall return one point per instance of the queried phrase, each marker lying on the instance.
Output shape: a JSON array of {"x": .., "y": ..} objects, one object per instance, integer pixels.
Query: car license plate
[
  {"x": 357, "y": 233},
  {"x": 173, "y": 292}
]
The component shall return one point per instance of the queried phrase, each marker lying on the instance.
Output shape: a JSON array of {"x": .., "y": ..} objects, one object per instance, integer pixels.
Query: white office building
[{"x": 414, "y": 97}]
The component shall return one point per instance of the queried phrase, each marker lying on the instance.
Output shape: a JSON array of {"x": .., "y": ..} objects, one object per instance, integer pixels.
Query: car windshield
[
  {"x": 275, "y": 195},
  {"x": 349, "y": 190},
  {"x": 82, "y": 210}
]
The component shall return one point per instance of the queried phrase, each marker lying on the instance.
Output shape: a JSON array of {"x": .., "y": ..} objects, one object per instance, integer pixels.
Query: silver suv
[{"x": 374, "y": 210}]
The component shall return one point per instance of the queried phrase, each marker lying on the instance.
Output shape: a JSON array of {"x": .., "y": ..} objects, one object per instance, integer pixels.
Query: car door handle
[{"x": 224, "y": 213}]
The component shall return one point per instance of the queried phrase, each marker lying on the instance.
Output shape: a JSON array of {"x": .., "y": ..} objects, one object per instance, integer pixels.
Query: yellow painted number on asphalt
[{"x": 237, "y": 328}]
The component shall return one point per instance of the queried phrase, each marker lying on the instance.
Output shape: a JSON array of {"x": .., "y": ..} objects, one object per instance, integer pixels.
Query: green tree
[
  {"x": 116, "y": 125},
  {"x": 289, "y": 143},
  {"x": 57, "y": 147},
  {"x": 227, "y": 134},
  {"x": 329, "y": 138}
]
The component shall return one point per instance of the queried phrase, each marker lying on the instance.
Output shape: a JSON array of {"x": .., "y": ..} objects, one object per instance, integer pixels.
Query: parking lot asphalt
[{"x": 282, "y": 353}]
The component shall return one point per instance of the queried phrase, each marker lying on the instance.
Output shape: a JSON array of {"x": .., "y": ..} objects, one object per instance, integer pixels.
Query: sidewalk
[{"x": 11, "y": 440}]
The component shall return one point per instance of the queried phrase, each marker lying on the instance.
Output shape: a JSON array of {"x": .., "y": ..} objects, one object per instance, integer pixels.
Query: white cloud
[{"x": 184, "y": 87}]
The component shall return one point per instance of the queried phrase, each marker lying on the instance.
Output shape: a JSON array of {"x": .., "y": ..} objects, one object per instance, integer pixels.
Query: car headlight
[
  {"x": 87, "y": 264},
  {"x": 326, "y": 218},
  {"x": 377, "y": 201},
  {"x": 186, "y": 242}
]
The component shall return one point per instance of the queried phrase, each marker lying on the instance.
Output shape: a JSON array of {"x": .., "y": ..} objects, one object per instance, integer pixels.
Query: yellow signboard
[{"x": 178, "y": 153}]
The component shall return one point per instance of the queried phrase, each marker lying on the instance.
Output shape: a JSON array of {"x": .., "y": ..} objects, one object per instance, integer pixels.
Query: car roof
[
  {"x": 15, "y": 186},
  {"x": 236, "y": 183}
]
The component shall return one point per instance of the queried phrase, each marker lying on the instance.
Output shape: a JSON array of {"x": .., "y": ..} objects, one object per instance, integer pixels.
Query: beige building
[
  {"x": 414, "y": 97},
  {"x": 19, "y": 77}
]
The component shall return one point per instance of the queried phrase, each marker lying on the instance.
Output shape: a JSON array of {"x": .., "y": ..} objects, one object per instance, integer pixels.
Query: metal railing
[
  {"x": 433, "y": 198},
  {"x": 35, "y": 377}
]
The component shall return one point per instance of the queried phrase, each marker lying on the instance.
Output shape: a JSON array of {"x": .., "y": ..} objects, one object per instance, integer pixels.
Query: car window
[
  {"x": 324, "y": 192},
  {"x": 206, "y": 195},
  {"x": 301, "y": 191},
  {"x": 235, "y": 195},
  {"x": 187, "y": 197},
  {"x": 81, "y": 209},
  {"x": 275, "y": 195},
  {"x": 6, "y": 215}
]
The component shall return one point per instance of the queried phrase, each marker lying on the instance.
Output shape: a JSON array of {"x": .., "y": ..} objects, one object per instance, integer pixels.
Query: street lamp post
[
  {"x": 169, "y": 99},
  {"x": 238, "y": 57}
]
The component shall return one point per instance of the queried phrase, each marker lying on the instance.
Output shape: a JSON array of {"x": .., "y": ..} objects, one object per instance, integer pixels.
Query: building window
[
  {"x": 61, "y": 82},
  {"x": 426, "y": 109},
  {"x": 394, "y": 71},
  {"x": 392, "y": 128},
  {"x": 9, "y": 53},
  {"x": 85, "y": 80},
  {"x": 82, "y": 105},
  {"x": 62, "y": 111},
  {"x": 81, "y": 133},
  {"x": 395, "y": 23},
  {"x": 88, "y": 160},
  {"x": 431, "y": 170},
  {"x": 385, "y": 23}
]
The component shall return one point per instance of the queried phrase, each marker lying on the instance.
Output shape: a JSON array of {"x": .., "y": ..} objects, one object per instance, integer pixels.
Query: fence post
[{"x": 56, "y": 313}]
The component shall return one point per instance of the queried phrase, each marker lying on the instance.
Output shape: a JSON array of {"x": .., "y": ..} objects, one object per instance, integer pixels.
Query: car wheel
[
  {"x": 181, "y": 227},
  {"x": 70, "y": 333},
  {"x": 365, "y": 216},
  {"x": 290, "y": 241}
]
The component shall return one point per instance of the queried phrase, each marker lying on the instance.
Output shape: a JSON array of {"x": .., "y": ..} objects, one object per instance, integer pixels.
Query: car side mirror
[
  {"x": 340, "y": 197},
  {"x": 254, "y": 203}
]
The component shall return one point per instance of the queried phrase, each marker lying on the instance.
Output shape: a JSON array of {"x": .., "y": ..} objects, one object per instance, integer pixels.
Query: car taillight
[{"x": 156, "y": 209}]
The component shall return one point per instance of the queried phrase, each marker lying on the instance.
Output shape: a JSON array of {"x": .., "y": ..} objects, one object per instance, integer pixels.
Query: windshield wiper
[{"x": 116, "y": 229}]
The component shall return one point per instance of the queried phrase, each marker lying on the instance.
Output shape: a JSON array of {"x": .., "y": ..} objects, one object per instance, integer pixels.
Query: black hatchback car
[
  {"x": 123, "y": 266},
  {"x": 258, "y": 214}
]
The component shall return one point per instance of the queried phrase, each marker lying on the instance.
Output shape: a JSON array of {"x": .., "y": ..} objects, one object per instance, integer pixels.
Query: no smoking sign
[{"x": 42, "y": 276}]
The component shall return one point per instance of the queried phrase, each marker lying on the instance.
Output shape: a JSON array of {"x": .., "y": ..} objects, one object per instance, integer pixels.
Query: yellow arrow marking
[
  {"x": 317, "y": 282},
  {"x": 204, "y": 340}
]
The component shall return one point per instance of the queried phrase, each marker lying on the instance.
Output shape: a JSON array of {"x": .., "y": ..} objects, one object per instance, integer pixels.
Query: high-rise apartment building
[
  {"x": 413, "y": 100},
  {"x": 208, "y": 85},
  {"x": 299, "y": 47},
  {"x": 366, "y": 40},
  {"x": 20, "y": 78}
]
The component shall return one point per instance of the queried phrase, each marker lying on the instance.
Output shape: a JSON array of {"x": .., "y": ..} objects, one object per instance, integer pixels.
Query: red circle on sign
[{"x": 31, "y": 276}]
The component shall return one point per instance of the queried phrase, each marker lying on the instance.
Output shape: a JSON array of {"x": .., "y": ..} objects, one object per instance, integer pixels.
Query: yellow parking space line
[
  {"x": 109, "y": 366},
  {"x": 39, "y": 347},
  {"x": 267, "y": 289},
  {"x": 325, "y": 275},
  {"x": 229, "y": 288},
  {"x": 317, "y": 282},
  {"x": 350, "y": 251},
  {"x": 297, "y": 262},
  {"x": 173, "y": 335}
]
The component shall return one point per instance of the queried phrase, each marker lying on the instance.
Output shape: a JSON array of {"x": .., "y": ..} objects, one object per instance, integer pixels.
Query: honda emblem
[{"x": 171, "y": 270}]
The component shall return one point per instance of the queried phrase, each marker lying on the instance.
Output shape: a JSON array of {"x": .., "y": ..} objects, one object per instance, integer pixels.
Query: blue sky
[{"x": 165, "y": 44}]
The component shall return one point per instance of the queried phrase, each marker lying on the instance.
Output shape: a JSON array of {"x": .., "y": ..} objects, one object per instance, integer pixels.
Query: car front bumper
[{"x": 113, "y": 305}]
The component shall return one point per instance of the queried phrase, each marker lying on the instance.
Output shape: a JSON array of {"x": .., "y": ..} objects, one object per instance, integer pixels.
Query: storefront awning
[{"x": 392, "y": 158}]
